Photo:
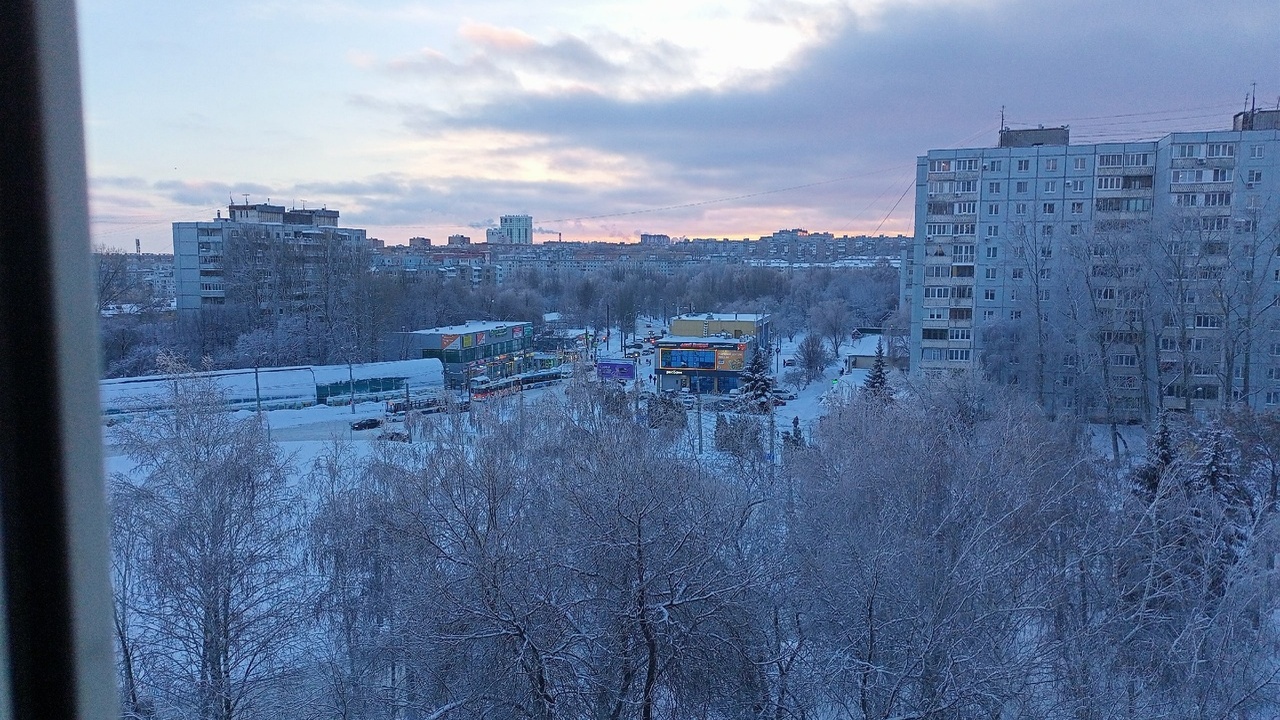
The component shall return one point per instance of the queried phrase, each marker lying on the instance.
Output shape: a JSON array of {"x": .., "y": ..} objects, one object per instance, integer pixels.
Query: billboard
[{"x": 616, "y": 370}]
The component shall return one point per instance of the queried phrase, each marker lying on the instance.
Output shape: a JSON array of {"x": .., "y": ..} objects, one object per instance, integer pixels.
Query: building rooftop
[
  {"x": 470, "y": 326},
  {"x": 709, "y": 340},
  {"x": 721, "y": 317}
]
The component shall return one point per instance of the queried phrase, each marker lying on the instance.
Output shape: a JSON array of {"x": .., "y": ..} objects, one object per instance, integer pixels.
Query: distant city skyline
[{"x": 605, "y": 120}]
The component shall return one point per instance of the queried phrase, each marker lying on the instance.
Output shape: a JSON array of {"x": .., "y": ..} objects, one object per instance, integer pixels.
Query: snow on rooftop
[
  {"x": 470, "y": 326},
  {"x": 720, "y": 317},
  {"x": 700, "y": 339},
  {"x": 866, "y": 346}
]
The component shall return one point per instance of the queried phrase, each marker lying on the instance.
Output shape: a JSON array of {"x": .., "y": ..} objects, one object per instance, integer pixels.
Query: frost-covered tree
[
  {"x": 812, "y": 356},
  {"x": 218, "y": 590},
  {"x": 876, "y": 386},
  {"x": 757, "y": 383}
]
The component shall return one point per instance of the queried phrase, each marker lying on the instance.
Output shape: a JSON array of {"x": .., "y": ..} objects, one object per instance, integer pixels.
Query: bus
[{"x": 485, "y": 387}]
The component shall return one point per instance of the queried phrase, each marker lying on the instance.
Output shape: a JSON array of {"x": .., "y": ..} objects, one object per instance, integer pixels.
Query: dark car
[{"x": 366, "y": 424}]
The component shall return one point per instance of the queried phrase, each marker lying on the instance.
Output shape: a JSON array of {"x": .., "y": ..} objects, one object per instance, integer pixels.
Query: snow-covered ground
[{"x": 303, "y": 433}]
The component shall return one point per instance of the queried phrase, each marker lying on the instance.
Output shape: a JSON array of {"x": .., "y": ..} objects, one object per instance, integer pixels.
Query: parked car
[
  {"x": 789, "y": 362},
  {"x": 784, "y": 393},
  {"x": 687, "y": 401},
  {"x": 366, "y": 424}
]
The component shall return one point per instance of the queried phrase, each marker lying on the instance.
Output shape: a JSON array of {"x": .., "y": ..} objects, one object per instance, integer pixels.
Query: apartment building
[
  {"x": 263, "y": 255},
  {"x": 1113, "y": 279}
]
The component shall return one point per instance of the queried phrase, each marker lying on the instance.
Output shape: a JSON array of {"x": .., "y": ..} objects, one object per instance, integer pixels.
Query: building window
[
  {"x": 967, "y": 186},
  {"x": 1015, "y": 314},
  {"x": 1042, "y": 294},
  {"x": 1024, "y": 165},
  {"x": 1077, "y": 208},
  {"x": 933, "y": 334},
  {"x": 935, "y": 314},
  {"x": 988, "y": 314},
  {"x": 1110, "y": 160},
  {"x": 1222, "y": 175},
  {"x": 991, "y": 273},
  {"x": 1051, "y": 164},
  {"x": 1020, "y": 186},
  {"x": 992, "y": 251},
  {"x": 993, "y": 208},
  {"x": 1137, "y": 159},
  {"x": 1255, "y": 176},
  {"x": 1186, "y": 151},
  {"x": 1257, "y": 151},
  {"x": 989, "y": 294},
  {"x": 1016, "y": 273},
  {"x": 993, "y": 188},
  {"x": 939, "y": 166},
  {"x": 1075, "y": 185},
  {"x": 1221, "y": 150},
  {"x": 993, "y": 231},
  {"x": 1217, "y": 199},
  {"x": 1020, "y": 208},
  {"x": 958, "y": 353},
  {"x": 1110, "y": 182},
  {"x": 995, "y": 165},
  {"x": 1045, "y": 272},
  {"x": 1208, "y": 321},
  {"x": 1047, "y": 231},
  {"x": 960, "y": 334},
  {"x": 1050, "y": 208},
  {"x": 967, "y": 165},
  {"x": 1074, "y": 229},
  {"x": 937, "y": 292},
  {"x": 932, "y": 354},
  {"x": 1272, "y": 397},
  {"x": 1124, "y": 360},
  {"x": 1079, "y": 163},
  {"x": 1050, "y": 186},
  {"x": 967, "y": 208}
]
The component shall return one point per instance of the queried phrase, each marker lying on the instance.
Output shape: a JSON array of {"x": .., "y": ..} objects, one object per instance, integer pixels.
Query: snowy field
[{"x": 303, "y": 433}]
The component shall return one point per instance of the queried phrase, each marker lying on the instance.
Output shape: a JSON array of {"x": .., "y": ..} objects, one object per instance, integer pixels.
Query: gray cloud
[{"x": 872, "y": 99}]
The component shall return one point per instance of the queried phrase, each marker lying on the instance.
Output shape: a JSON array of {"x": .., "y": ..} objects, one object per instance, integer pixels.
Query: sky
[{"x": 604, "y": 119}]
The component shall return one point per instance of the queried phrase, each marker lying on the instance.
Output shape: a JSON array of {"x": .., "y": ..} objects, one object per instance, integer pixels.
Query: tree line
[
  {"x": 350, "y": 311},
  {"x": 947, "y": 552}
]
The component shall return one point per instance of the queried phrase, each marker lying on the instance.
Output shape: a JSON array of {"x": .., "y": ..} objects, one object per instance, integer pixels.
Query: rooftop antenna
[
  {"x": 246, "y": 199},
  {"x": 1254, "y": 102},
  {"x": 1002, "y": 125}
]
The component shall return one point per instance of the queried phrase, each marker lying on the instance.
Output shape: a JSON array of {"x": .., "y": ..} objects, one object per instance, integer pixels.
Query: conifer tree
[
  {"x": 876, "y": 386},
  {"x": 1146, "y": 477},
  {"x": 757, "y": 386}
]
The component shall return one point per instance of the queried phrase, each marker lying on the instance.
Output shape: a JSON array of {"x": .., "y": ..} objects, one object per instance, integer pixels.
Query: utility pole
[
  {"x": 351, "y": 383},
  {"x": 699, "y": 414}
]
